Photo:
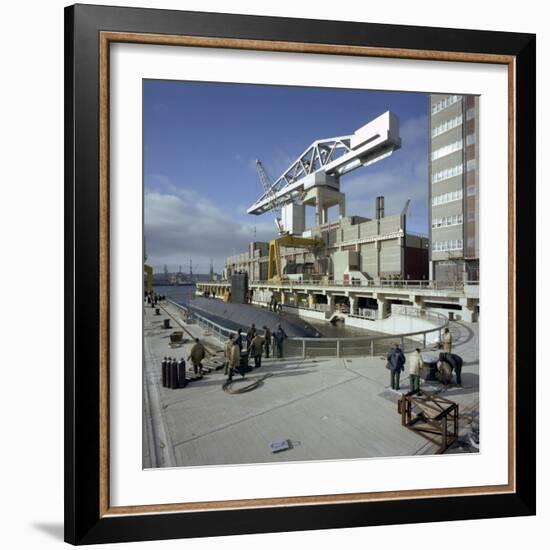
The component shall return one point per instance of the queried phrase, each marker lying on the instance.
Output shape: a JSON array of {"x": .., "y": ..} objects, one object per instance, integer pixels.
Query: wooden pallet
[{"x": 433, "y": 417}]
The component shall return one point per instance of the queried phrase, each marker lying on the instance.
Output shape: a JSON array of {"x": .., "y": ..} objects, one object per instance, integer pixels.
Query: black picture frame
[{"x": 84, "y": 521}]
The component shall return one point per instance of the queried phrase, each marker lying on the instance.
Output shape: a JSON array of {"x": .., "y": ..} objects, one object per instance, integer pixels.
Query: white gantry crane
[{"x": 313, "y": 179}]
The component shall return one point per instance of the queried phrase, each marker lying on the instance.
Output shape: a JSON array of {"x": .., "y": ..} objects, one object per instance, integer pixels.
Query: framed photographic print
[{"x": 298, "y": 269}]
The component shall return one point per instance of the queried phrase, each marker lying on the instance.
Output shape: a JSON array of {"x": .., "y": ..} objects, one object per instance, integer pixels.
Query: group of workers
[
  {"x": 274, "y": 305},
  {"x": 253, "y": 344},
  {"x": 151, "y": 297},
  {"x": 256, "y": 345},
  {"x": 447, "y": 363}
]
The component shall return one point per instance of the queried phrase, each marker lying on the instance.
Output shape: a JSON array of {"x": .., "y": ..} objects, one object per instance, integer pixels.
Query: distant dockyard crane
[
  {"x": 275, "y": 205},
  {"x": 313, "y": 179}
]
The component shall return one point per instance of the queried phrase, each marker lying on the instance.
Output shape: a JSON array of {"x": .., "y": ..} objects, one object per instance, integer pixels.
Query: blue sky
[{"x": 201, "y": 141}]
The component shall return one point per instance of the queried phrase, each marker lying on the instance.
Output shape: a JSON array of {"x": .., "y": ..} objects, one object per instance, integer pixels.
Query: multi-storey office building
[{"x": 454, "y": 185}]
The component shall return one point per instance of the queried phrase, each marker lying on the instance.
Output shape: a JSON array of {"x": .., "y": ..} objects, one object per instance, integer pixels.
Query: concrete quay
[
  {"x": 327, "y": 408},
  {"x": 459, "y": 298}
]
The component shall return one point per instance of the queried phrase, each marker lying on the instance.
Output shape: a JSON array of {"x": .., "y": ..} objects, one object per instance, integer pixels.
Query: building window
[
  {"x": 444, "y": 103},
  {"x": 447, "y": 125},
  {"x": 470, "y": 113},
  {"x": 447, "y": 220},
  {"x": 447, "y": 197},
  {"x": 471, "y": 165},
  {"x": 471, "y": 191},
  {"x": 446, "y": 246},
  {"x": 447, "y": 173},
  {"x": 470, "y": 139},
  {"x": 471, "y": 216},
  {"x": 447, "y": 150}
]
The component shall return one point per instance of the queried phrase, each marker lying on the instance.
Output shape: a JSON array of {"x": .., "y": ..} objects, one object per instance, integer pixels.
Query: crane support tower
[{"x": 313, "y": 179}]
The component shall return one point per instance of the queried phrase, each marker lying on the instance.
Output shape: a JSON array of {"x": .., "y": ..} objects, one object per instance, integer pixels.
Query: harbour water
[
  {"x": 184, "y": 294},
  {"x": 179, "y": 294}
]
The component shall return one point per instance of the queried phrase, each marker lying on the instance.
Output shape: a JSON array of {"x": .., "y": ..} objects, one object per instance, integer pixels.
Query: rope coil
[{"x": 227, "y": 387}]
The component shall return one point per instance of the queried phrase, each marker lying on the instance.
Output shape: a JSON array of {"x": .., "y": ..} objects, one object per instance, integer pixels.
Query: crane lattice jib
[
  {"x": 333, "y": 156},
  {"x": 269, "y": 190},
  {"x": 275, "y": 205}
]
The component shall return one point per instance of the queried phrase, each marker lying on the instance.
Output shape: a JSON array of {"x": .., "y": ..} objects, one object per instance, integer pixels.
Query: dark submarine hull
[{"x": 235, "y": 316}]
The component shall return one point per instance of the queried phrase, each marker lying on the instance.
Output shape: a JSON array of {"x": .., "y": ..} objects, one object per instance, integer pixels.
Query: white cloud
[
  {"x": 183, "y": 224},
  {"x": 404, "y": 176}
]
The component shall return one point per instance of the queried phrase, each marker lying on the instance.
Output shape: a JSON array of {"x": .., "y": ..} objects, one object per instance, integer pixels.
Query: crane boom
[{"x": 332, "y": 157}]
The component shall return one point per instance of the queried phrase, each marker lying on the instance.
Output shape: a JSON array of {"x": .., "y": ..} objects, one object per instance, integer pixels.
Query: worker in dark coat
[
  {"x": 239, "y": 339},
  {"x": 250, "y": 335},
  {"x": 279, "y": 336},
  {"x": 455, "y": 363},
  {"x": 256, "y": 349},
  {"x": 198, "y": 353},
  {"x": 396, "y": 364},
  {"x": 267, "y": 341}
]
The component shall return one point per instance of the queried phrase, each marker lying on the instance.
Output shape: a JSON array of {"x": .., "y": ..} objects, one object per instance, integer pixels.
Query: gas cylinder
[
  {"x": 164, "y": 365},
  {"x": 182, "y": 382}
]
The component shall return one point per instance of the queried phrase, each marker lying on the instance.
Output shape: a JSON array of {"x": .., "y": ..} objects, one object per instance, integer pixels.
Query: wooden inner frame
[{"x": 105, "y": 39}]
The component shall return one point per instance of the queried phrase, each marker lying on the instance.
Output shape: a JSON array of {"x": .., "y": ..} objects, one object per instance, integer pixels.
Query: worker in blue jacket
[
  {"x": 279, "y": 336},
  {"x": 396, "y": 364}
]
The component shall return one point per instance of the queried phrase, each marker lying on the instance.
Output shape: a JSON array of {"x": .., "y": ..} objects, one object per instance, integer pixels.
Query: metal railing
[
  {"x": 215, "y": 329},
  {"x": 322, "y": 308},
  {"x": 383, "y": 283},
  {"x": 365, "y": 313},
  {"x": 455, "y": 286},
  {"x": 344, "y": 347},
  {"x": 368, "y": 345}
]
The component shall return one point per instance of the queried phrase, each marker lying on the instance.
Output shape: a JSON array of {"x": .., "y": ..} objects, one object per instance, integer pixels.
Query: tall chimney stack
[{"x": 379, "y": 207}]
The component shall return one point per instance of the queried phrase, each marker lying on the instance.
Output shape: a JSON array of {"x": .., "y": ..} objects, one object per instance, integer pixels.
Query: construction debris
[{"x": 280, "y": 445}]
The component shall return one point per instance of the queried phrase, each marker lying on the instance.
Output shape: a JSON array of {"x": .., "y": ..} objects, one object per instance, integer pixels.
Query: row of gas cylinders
[{"x": 173, "y": 373}]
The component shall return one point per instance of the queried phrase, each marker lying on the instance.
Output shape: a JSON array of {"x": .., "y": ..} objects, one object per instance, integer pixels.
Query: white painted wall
[
  {"x": 309, "y": 313},
  {"x": 445, "y": 312},
  {"x": 397, "y": 324}
]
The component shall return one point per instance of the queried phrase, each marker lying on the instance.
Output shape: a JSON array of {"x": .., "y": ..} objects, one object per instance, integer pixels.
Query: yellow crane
[
  {"x": 149, "y": 270},
  {"x": 274, "y": 272}
]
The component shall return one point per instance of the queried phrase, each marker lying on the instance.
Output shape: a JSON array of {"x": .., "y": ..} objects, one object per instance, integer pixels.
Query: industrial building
[
  {"x": 360, "y": 267},
  {"x": 454, "y": 185},
  {"x": 351, "y": 250}
]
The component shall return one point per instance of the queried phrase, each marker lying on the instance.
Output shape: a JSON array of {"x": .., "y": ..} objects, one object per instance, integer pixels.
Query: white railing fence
[{"x": 344, "y": 347}]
